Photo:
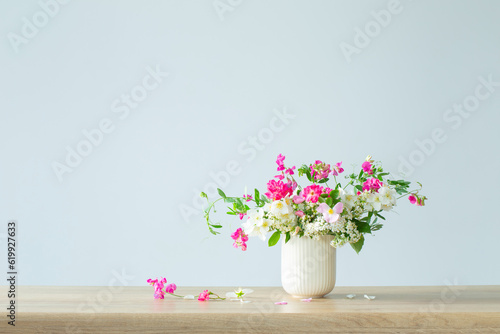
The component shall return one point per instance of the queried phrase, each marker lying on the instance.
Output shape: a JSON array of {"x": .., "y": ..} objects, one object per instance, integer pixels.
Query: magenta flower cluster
[
  {"x": 159, "y": 293},
  {"x": 159, "y": 284},
  {"x": 240, "y": 239}
]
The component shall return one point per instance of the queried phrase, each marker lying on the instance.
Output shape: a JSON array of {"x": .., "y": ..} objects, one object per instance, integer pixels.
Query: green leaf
[
  {"x": 287, "y": 237},
  {"x": 231, "y": 213},
  {"x": 273, "y": 240},
  {"x": 334, "y": 193},
  {"x": 309, "y": 177},
  {"x": 203, "y": 195},
  {"x": 358, "y": 245},
  {"x": 221, "y": 193},
  {"x": 216, "y": 226},
  {"x": 359, "y": 187},
  {"x": 329, "y": 201},
  {"x": 229, "y": 200},
  {"x": 323, "y": 180},
  {"x": 400, "y": 190},
  {"x": 363, "y": 227},
  {"x": 257, "y": 196}
]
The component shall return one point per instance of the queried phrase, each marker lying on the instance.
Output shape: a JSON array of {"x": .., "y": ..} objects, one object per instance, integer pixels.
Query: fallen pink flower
[
  {"x": 307, "y": 300},
  {"x": 280, "y": 303},
  {"x": 205, "y": 295},
  {"x": 171, "y": 288}
]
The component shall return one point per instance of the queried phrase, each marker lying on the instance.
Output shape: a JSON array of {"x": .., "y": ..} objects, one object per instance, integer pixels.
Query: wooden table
[{"x": 443, "y": 309}]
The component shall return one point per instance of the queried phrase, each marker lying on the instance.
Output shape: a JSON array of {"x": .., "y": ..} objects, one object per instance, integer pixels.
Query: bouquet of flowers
[{"x": 347, "y": 212}]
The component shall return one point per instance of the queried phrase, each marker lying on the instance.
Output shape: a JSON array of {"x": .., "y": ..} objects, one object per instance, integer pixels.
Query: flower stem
[{"x": 218, "y": 297}]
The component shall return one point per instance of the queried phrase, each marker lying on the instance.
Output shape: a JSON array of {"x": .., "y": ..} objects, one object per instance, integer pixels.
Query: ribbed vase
[{"x": 308, "y": 266}]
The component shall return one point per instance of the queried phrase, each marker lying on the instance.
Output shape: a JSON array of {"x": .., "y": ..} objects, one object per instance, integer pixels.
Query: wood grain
[{"x": 444, "y": 309}]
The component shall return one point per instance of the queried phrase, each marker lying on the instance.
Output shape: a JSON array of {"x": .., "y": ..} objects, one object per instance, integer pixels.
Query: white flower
[
  {"x": 239, "y": 294},
  {"x": 373, "y": 201},
  {"x": 280, "y": 208},
  {"x": 387, "y": 196},
  {"x": 348, "y": 198},
  {"x": 256, "y": 224}
]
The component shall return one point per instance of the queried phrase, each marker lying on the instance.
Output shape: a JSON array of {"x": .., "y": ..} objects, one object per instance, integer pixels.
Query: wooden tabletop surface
[{"x": 442, "y": 309}]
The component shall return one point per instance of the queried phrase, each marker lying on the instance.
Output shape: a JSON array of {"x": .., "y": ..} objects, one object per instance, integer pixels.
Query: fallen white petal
[
  {"x": 247, "y": 291},
  {"x": 351, "y": 296},
  {"x": 188, "y": 297},
  {"x": 246, "y": 301},
  {"x": 231, "y": 295},
  {"x": 369, "y": 297}
]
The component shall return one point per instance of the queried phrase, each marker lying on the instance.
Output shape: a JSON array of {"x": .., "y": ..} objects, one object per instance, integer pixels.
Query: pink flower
[
  {"x": 412, "y": 199},
  {"x": 320, "y": 170},
  {"x": 299, "y": 213},
  {"x": 372, "y": 184},
  {"x": 279, "y": 161},
  {"x": 312, "y": 193},
  {"x": 420, "y": 201},
  {"x": 337, "y": 169},
  {"x": 240, "y": 239},
  {"x": 331, "y": 215},
  {"x": 280, "y": 176},
  {"x": 158, "y": 286},
  {"x": 298, "y": 199},
  {"x": 171, "y": 288},
  {"x": 289, "y": 171},
  {"x": 367, "y": 167},
  {"x": 205, "y": 295},
  {"x": 159, "y": 294},
  {"x": 279, "y": 189},
  {"x": 280, "y": 303},
  {"x": 242, "y": 215},
  {"x": 248, "y": 198}
]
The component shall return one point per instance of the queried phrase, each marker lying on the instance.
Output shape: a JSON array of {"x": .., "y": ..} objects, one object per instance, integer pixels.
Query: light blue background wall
[{"x": 230, "y": 70}]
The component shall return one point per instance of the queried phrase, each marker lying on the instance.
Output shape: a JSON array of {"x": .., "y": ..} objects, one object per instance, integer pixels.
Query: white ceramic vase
[{"x": 308, "y": 266}]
